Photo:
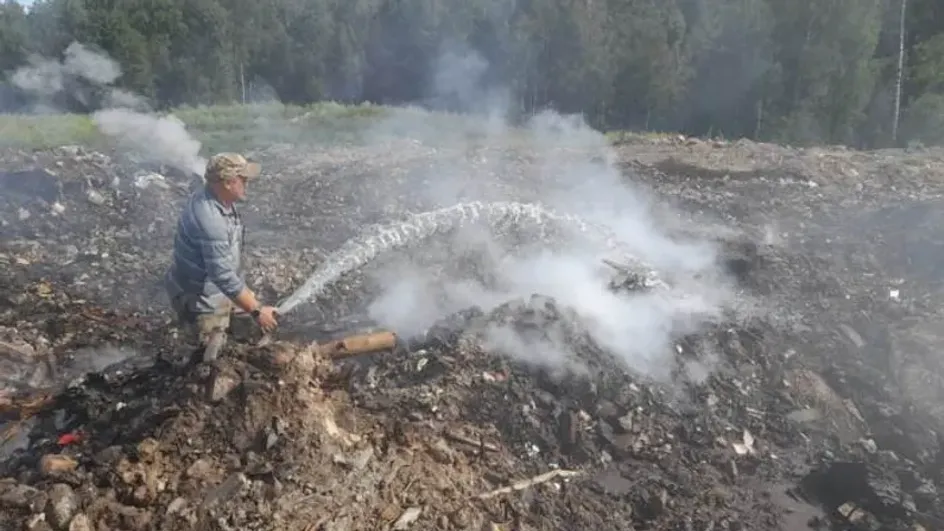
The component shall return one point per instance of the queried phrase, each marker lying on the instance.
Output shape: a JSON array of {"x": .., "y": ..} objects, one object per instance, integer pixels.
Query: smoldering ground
[
  {"x": 86, "y": 79},
  {"x": 576, "y": 176},
  {"x": 475, "y": 157}
]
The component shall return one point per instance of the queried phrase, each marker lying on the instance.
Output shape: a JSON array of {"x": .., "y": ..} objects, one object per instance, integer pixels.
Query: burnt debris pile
[{"x": 270, "y": 434}]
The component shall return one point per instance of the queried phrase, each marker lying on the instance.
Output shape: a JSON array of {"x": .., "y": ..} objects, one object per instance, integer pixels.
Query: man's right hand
[{"x": 267, "y": 318}]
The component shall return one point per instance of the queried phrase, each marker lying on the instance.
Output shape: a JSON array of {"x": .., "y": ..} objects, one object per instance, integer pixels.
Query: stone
[
  {"x": 80, "y": 522},
  {"x": 52, "y": 464},
  {"x": 61, "y": 506}
]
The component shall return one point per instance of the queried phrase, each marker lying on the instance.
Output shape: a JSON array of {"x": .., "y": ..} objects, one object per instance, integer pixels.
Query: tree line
[{"x": 865, "y": 73}]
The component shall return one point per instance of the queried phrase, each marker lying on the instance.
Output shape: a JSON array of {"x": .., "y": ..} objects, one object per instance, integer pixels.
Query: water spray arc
[{"x": 378, "y": 239}]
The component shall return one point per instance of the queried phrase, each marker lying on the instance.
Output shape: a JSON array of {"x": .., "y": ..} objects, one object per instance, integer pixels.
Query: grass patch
[
  {"x": 47, "y": 131},
  {"x": 216, "y": 127},
  {"x": 244, "y": 127},
  {"x": 629, "y": 137}
]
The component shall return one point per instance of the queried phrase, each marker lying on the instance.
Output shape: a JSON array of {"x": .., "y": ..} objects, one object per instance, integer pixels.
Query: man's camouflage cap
[{"x": 228, "y": 166}]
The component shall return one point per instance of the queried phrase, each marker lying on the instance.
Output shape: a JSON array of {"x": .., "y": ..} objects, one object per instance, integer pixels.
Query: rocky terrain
[{"x": 824, "y": 413}]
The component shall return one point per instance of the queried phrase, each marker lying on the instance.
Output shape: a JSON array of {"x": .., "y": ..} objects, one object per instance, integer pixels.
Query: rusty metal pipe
[{"x": 359, "y": 344}]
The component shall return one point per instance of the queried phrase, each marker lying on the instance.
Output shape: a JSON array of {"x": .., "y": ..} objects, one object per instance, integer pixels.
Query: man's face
[{"x": 237, "y": 188}]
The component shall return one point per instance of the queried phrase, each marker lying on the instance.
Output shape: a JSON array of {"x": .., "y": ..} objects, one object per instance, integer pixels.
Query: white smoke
[
  {"x": 570, "y": 167},
  {"x": 162, "y": 139},
  {"x": 574, "y": 171},
  {"x": 49, "y": 77},
  {"x": 126, "y": 118}
]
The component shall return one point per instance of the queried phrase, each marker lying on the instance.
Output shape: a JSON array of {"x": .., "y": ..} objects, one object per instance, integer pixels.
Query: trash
[
  {"x": 96, "y": 198},
  {"x": 530, "y": 482},
  {"x": 144, "y": 180},
  {"x": 805, "y": 415},
  {"x": 408, "y": 517},
  {"x": 746, "y": 445},
  {"x": 70, "y": 438}
]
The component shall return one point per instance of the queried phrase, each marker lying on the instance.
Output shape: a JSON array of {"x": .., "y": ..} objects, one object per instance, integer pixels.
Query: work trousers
[{"x": 206, "y": 330}]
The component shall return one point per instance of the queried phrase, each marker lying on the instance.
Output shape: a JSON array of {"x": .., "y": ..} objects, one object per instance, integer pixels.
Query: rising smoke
[
  {"x": 89, "y": 77},
  {"x": 576, "y": 174},
  {"x": 573, "y": 171}
]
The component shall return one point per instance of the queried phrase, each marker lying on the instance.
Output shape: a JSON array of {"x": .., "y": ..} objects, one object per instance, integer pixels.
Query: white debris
[
  {"x": 746, "y": 445},
  {"x": 533, "y": 450},
  {"x": 408, "y": 517},
  {"x": 868, "y": 445},
  {"x": 95, "y": 198},
  {"x": 143, "y": 180},
  {"x": 805, "y": 415}
]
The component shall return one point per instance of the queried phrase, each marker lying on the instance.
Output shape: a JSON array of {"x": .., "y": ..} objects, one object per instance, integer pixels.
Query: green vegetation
[
  {"x": 43, "y": 131},
  {"x": 217, "y": 127},
  {"x": 795, "y": 71},
  {"x": 224, "y": 127}
]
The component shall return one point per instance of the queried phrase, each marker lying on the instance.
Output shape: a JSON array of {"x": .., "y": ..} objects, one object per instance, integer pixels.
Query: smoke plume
[
  {"x": 555, "y": 160},
  {"x": 574, "y": 171},
  {"x": 89, "y": 78}
]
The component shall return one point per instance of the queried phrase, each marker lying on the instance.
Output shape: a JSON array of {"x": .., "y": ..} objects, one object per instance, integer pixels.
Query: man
[{"x": 203, "y": 280}]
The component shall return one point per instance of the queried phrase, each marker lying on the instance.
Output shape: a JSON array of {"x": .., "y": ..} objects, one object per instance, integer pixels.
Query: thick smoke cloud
[
  {"x": 576, "y": 173},
  {"x": 89, "y": 77}
]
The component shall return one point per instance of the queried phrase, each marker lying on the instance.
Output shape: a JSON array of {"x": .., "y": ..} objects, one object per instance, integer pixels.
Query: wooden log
[{"x": 359, "y": 344}]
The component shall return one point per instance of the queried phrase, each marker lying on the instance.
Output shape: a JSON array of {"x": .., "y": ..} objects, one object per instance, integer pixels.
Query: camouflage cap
[{"x": 227, "y": 166}]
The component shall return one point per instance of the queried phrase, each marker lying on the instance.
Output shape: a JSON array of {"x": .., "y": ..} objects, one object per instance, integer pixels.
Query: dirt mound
[
  {"x": 820, "y": 410},
  {"x": 443, "y": 434}
]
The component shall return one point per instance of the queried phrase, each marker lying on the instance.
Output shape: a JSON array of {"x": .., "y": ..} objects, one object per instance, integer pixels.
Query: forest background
[{"x": 863, "y": 73}]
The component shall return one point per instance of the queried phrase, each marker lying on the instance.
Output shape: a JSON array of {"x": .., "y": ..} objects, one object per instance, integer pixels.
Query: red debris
[{"x": 70, "y": 438}]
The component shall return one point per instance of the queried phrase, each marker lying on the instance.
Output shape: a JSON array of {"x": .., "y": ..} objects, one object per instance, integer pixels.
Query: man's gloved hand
[{"x": 266, "y": 318}]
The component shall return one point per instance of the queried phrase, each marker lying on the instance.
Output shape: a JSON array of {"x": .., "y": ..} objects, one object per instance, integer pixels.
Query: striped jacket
[{"x": 206, "y": 261}]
